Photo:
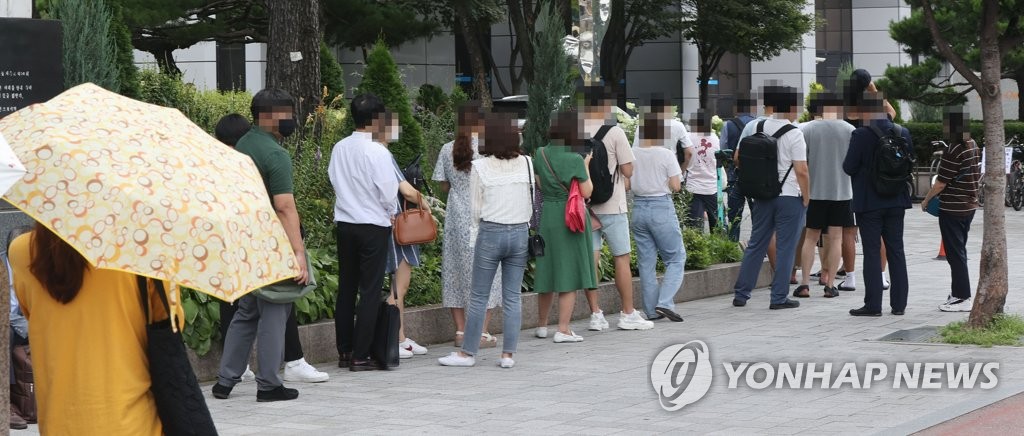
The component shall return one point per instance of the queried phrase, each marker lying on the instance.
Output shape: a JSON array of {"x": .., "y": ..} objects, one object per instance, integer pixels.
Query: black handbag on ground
[
  {"x": 179, "y": 401},
  {"x": 535, "y": 245},
  {"x": 384, "y": 348}
]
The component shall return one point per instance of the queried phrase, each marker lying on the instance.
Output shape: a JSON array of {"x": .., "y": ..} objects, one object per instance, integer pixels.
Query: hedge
[{"x": 924, "y": 133}]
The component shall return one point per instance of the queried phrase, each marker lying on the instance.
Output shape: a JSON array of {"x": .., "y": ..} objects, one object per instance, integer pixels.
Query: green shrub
[
  {"x": 432, "y": 98},
  {"x": 549, "y": 83},
  {"x": 127, "y": 72},
  {"x": 204, "y": 108},
  {"x": 1004, "y": 330},
  {"x": 381, "y": 77},
  {"x": 699, "y": 253},
  {"x": 90, "y": 54},
  {"x": 924, "y": 133},
  {"x": 332, "y": 77},
  {"x": 202, "y": 320},
  {"x": 923, "y": 113}
]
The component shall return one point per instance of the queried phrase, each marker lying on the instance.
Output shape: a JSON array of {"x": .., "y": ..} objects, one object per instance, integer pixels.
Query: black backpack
[
  {"x": 603, "y": 179},
  {"x": 894, "y": 162},
  {"x": 759, "y": 160}
]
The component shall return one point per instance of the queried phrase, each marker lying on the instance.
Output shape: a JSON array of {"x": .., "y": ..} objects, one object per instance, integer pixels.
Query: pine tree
[
  {"x": 382, "y": 79},
  {"x": 89, "y": 52},
  {"x": 331, "y": 75},
  {"x": 550, "y": 81}
]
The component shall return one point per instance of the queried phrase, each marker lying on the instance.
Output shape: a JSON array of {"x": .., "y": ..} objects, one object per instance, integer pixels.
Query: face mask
[
  {"x": 392, "y": 133},
  {"x": 286, "y": 127}
]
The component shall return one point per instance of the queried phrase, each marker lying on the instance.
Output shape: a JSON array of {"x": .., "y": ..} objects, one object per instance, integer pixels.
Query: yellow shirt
[{"x": 89, "y": 355}]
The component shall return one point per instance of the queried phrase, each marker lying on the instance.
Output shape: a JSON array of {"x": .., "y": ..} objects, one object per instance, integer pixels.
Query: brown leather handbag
[{"x": 414, "y": 225}]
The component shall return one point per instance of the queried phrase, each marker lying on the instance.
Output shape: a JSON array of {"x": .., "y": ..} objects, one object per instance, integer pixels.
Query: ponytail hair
[
  {"x": 462, "y": 151},
  {"x": 56, "y": 265}
]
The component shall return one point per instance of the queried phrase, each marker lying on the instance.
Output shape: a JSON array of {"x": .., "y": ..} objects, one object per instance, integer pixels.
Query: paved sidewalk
[{"x": 602, "y": 386}]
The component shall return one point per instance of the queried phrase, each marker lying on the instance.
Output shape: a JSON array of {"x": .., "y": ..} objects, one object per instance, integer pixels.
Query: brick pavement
[{"x": 601, "y": 386}]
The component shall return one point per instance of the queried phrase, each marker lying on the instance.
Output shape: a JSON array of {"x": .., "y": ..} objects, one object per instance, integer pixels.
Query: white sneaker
[
  {"x": 541, "y": 332},
  {"x": 412, "y": 346},
  {"x": 248, "y": 375},
  {"x": 455, "y": 359},
  {"x": 506, "y": 362},
  {"x": 403, "y": 353},
  {"x": 300, "y": 371},
  {"x": 950, "y": 299},
  {"x": 571, "y": 337},
  {"x": 634, "y": 321},
  {"x": 597, "y": 322},
  {"x": 958, "y": 305}
]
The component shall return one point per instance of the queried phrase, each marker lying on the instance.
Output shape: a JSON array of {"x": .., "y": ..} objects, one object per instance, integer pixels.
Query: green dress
[{"x": 568, "y": 261}]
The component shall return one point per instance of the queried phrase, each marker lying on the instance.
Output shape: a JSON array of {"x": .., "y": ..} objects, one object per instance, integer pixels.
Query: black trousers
[
  {"x": 876, "y": 226},
  {"x": 698, "y": 206},
  {"x": 362, "y": 258},
  {"x": 292, "y": 345},
  {"x": 735, "y": 205},
  {"x": 954, "y": 231}
]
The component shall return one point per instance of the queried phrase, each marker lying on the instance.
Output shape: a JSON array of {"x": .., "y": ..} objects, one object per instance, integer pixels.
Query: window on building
[
  {"x": 834, "y": 38},
  {"x": 230, "y": 67}
]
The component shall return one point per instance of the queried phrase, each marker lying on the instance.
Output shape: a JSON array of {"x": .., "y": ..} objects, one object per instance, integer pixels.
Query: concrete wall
[
  {"x": 16, "y": 8},
  {"x": 873, "y": 49},
  {"x": 792, "y": 68}
]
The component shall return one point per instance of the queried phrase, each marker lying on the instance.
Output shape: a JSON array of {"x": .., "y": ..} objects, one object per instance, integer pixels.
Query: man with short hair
[
  {"x": 783, "y": 215},
  {"x": 273, "y": 111},
  {"x": 596, "y": 113},
  {"x": 880, "y": 218},
  {"x": 827, "y": 142},
  {"x": 730, "y": 138}
]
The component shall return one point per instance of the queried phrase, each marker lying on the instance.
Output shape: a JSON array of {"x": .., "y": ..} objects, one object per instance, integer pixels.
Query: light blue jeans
[
  {"x": 504, "y": 245},
  {"x": 656, "y": 231}
]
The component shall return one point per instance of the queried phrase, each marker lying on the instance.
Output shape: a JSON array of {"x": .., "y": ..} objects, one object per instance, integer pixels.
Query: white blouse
[{"x": 500, "y": 191}]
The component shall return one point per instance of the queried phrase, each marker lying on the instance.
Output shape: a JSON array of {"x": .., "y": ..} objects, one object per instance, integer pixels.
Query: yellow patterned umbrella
[{"x": 140, "y": 188}]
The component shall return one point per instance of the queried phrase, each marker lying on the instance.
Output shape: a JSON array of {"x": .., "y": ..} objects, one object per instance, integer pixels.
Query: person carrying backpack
[
  {"x": 773, "y": 162},
  {"x": 611, "y": 166},
  {"x": 879, "y": 161},
  {"x": 730, "y": 138}
]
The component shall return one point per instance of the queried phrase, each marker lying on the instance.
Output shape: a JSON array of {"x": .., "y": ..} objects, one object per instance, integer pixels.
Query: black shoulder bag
[
  {"x": 179, "y": 401},
  {"x": 535, "y": 245}
]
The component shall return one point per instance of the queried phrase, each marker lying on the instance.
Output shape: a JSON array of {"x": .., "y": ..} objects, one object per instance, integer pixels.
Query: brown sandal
[{"x": 802, "y": 291}]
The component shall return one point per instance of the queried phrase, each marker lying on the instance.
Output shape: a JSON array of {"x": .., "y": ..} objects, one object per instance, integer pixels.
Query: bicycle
[{"x": 1015, "y": 184}]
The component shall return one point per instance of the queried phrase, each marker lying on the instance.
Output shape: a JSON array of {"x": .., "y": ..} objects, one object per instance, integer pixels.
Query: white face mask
[{"x": 393, "y": 132}]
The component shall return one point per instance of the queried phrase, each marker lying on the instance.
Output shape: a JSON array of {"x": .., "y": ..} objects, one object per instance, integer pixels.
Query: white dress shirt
[{"x": 365, "y": 184}]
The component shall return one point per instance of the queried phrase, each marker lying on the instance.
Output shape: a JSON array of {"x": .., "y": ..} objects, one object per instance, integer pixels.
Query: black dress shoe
[
  {"x": 864, "y": 311},
  {"x": 897, "y": 312},
  {"x": 739, "y": 303},
  {"x": 344, "y": 360},
  {"x": 17, "y": 422},
  {"x": 789, "y": 304},
  {"x": 668, "y": 313},
  {"x": 221, "y": 392},
  {"x": 363, "y": 365},
  {"x": 279, "y": 393}
]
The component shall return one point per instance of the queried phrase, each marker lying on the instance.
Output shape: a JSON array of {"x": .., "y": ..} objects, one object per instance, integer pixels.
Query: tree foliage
[
  {"x": 89, "y": 52},
  {"x": 358, "y": 24},
  {"x": 332, "y": 76},
  {"x": 924, "y": 80},
  {"x": 758, "y": 30},
  {"x": 550, "y": 82},
  {"x": 382, "y": 79},
  {"x": 631, "y": 24}
]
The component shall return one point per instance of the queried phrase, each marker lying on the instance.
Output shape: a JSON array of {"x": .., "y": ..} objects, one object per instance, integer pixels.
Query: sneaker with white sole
[
  {"x": 541, "y": 332},
  {"x": 506, "y": 362},
  {"x": 634, "y": 321},
  {"x": 404, "y": 353},
  {"x": 950, "y": 299},
  {"x": 456, "y": 359},
  {"x": 248, "y": 375},
  {"x": 597, "y": 322},
  {"x": 571, "y": 337},
  {"x": 300, "y": 371},
  {"x": 958, "y": 305},
  {"x": 844, "y": 286},
  {"x": 412, "y": 346}
]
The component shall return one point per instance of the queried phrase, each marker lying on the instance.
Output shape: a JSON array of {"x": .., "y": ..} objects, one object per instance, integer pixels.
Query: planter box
[{"x": 433, "y": 324}]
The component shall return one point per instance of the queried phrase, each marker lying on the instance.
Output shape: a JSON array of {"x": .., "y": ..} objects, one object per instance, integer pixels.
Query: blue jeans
[
  {"x": 656, "y": 231},
  {"x": 784, "y": 217},
  {"x": 503, "y": 244}
]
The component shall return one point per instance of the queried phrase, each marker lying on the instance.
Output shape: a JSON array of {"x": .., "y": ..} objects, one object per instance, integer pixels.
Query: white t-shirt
[
  {"x": 677, "y": 132},
  {"x": 702, "y": 172},
  {"x": 792, "y": 148},
  {"x": 651, "y": 170}
]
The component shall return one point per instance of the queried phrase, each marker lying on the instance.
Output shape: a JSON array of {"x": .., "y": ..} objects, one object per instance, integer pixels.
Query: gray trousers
[{"x": 259, "y": 320}]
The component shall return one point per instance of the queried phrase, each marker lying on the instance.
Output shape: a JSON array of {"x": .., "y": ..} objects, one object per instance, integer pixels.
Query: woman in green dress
[{"x": 568, "y": 262}]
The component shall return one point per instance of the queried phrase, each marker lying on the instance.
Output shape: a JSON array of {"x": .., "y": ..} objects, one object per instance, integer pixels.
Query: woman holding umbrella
[{"x": 88, "y": 334}]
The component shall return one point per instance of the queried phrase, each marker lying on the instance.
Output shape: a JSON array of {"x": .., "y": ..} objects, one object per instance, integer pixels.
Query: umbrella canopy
[
  {"x": 140, "y": 188},
  {"x": 11, "y": 169}
]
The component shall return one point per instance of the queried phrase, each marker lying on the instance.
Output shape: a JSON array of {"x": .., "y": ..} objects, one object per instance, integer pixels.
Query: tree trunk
[
  {"x": 165, "y": 61},
  {"x": 992, "y": 282},
  {"x": 1019, "y": 78},
  {"x": 295, "y": 31},
  {"x": 480, "y": 89},
  {"x": 5, "y": 354}
]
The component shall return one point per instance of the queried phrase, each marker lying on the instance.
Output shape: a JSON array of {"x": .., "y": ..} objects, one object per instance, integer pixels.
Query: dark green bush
[
  {"x": 332, "y": 77},
  {"x": 432, "y": 98},
  {"x": 90, "y": 54}
]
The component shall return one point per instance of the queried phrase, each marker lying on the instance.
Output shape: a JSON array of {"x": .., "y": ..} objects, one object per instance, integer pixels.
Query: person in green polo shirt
[{"x": 273, "y": 114}]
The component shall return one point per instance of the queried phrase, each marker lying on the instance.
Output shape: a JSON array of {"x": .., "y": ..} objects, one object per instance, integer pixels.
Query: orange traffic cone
[{"x": 942, "y": 252}]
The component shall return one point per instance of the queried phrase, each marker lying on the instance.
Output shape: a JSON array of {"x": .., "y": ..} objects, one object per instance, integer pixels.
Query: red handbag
[{"x": 575, "y": 206}]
